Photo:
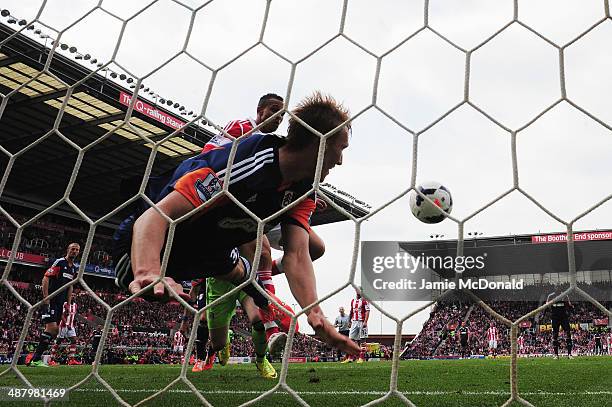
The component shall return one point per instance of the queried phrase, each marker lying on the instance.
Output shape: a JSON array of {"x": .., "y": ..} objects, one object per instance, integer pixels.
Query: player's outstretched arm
[
  {"x": 300, "y": 275},
  {"x": 324, "y": 330},
  {"x": 148, "y": 238}
]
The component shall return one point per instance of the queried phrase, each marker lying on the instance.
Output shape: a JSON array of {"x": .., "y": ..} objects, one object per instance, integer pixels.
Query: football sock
[
  {"x": 264, "y": 277},
  {"x": 259, "y": 340},
  {"x": 201, "y": 340},
  {"x": 43, "y": 343}
]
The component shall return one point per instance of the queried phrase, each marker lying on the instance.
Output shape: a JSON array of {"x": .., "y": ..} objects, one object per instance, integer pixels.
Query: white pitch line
[{"x": 364, "y": 393}]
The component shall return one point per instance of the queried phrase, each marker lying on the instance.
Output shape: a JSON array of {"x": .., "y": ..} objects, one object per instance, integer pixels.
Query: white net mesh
[{"x": 423, "y": 25}]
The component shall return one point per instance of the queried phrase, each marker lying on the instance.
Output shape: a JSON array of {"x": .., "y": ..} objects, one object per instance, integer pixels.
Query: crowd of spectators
[
  {"x": 440, "y": 338},
  {"x": 440, "y": 319},
  {"x": 49, "y": 236},
  {"x": 141, "y": 332}
]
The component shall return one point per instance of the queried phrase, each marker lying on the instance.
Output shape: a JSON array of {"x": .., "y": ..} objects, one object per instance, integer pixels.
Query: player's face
[
  {"x": 73, "y": 251},
  {"x": 333, "y": 152},
  {"x": 266, "y": 111}
]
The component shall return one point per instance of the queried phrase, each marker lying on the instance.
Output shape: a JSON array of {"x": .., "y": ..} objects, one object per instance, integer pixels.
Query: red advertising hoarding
[
  {"x": 578, "y": 237},
  {"x": 21, "y": 257},
  {"x": 151, "y": 111},
  {"x": 20, "y": 284},
  {"x": 600, "y": 322}
]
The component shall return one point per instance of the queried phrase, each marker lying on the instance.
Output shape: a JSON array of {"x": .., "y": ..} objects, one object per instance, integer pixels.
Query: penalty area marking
[{"x": 362, "y": 393}]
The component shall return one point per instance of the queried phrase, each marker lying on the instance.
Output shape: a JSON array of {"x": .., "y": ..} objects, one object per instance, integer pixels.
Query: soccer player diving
[{"x": 268, "y": 174}]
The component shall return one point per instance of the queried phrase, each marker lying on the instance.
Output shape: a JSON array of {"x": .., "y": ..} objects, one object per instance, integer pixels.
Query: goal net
[{"x": 129, "y": 33}]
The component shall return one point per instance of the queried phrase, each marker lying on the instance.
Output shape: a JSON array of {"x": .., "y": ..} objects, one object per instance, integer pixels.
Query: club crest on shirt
[
  {"x": 208, "y": 187},
  {"x": 287, "y": 198}
]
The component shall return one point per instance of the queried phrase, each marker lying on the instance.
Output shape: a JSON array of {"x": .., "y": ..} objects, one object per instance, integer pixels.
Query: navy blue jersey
[
  {"x": 60, "y": 273},
  {"x": 255, "y": 181},
  {"x": 560, "y": 309},
  {"x": 463, "y": 333},
  {"x": 96, "y": 337}
]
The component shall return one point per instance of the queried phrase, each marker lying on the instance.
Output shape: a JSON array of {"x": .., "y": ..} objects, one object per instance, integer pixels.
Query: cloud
[{"x": 564, "y": 158}]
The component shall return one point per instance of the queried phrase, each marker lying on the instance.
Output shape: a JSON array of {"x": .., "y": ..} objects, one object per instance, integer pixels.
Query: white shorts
[
  {"x": 358, "y": 331},
  {"x": 493, "y": 344},
  {"x": 66, "y": 332},
  {"x": 178, "y": 349}
]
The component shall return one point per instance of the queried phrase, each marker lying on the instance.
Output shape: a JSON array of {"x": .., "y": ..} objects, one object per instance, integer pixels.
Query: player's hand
[
  {"x": 158, "y": 293},
  {"x": 324, "y": 330},
  {"x": 320, "y": 203}
]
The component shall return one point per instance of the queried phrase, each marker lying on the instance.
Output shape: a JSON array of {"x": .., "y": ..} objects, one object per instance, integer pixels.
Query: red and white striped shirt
[
  {"x": 179, "y": 339},
  {"x": 235, "y": 128},
  {"x": 520, "y": 341},
  {"x": 492, "y": 333},
  {"x": 359, "y": 307},
  {"x": 69, "y": 311}
]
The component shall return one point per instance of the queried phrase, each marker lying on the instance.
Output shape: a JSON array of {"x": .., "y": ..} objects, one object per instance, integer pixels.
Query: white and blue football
[{"x": 424, "y": 210}]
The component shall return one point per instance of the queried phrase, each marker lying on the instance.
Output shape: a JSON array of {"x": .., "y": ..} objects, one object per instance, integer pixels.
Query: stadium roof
[{"x": 109, "y": 168}]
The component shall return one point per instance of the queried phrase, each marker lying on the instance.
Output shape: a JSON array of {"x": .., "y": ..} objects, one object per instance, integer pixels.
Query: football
[{"x": 424, "y": 210}]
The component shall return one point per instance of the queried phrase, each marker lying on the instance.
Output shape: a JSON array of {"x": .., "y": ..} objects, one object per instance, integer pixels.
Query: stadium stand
[
  {"x": 141, "y": 332},
  {"x": 438, "y": 337}
]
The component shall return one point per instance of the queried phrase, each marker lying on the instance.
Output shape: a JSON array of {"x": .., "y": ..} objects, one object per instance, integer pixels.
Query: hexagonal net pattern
[{"x": 282, "y": 384}]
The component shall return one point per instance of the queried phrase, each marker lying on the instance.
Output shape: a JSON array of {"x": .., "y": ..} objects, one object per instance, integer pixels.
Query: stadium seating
[
  {"x": 438, "y": 338},
  {"x": 140, "y": 330}
]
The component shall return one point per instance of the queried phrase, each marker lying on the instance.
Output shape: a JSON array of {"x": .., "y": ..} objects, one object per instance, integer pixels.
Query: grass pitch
[{"x": 584, "y": 381}]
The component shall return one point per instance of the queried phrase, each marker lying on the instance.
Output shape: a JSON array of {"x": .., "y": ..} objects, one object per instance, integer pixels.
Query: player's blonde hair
[{"x": 319, "y": 111}]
